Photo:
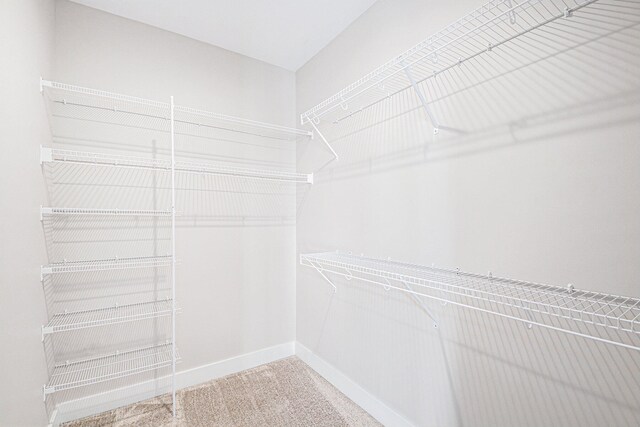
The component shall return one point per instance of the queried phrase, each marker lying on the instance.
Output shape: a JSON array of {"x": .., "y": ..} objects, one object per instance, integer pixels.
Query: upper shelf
[
  {"x": 99, "y": 106},
  {"x": 53, "y": 211},
  {"x": 105, "y": 264},
  {"x": 521, "y": 32},
  {"x": 85, "y": 372},
  {"x": 578, "y": 312},
  {"x": 56, "y": 155}
]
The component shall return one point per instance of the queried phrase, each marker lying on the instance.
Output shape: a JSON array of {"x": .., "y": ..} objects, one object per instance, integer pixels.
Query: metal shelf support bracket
[
  {"x": 315, "y": 128},
  {"x": 319, "y": 270},
  {"x": 421, "y": 304},
  {"x": 46, "y": 154},
  {"x": 422, "y": 99}
]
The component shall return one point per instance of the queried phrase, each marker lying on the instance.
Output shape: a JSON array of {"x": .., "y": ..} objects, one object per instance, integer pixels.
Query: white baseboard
[
  {"x": 98, "y": 403},
  {"x": 353, "y": 391}
]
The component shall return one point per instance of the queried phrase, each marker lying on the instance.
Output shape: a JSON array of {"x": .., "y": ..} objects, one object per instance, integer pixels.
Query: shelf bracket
[
  {"x": 528, "y": 313},
  {"x": 46, "y": 154},
  {"x": 335, "y": 155},
  {"x": 319, "y": 270},
  {"x": 421, "y": 304},
  {"x": 46, "y": 330},
  {"x": 47, "y": 390},
  {"x": 423, "y": 101},
  {"x": 44, "y": 270},
  {"x": 45, "y": 211}
]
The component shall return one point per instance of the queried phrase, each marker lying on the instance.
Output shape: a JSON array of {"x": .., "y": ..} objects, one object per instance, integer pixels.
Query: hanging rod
[
  {"x": 108, "y": 367},
  {"x": 563, "y": 309},
  {"x": 55, "y": 155},
  {"x": 162, "y": 110}
]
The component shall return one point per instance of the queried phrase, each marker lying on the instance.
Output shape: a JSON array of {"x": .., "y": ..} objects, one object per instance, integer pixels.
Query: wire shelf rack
[
  {"x": 526, "y": 31},
  {"x": 85, "y": 372},
  {"x": 90, "y": 104},
  {"x": 52, "y": 211},
  {"x": 105, "y": 264},
  {"x": 56, "y": 155},
  {"x": 70, "y": 321},
  {"x": 553, "y": 307}
]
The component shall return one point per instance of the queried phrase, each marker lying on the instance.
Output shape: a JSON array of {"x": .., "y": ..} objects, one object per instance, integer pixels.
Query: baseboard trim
[
  {"x": 353, "y": 391},
  {"x": 98, "y": 403}
]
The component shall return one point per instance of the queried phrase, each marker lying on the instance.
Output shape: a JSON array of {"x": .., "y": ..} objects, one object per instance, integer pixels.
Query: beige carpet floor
[{"x": 286, "y": 392}]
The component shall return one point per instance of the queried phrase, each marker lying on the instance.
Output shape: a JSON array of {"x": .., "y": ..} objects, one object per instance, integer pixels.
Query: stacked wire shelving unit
[{"x": 84, "y": 105}]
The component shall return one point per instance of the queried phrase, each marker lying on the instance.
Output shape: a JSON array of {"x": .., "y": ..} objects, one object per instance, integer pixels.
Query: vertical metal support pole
[{"x": 173, "y": 263}]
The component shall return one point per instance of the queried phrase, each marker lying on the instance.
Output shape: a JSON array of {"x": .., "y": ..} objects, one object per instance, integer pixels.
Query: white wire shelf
[
  {"x": 90, "y": 104},
  {"x": 541, "y": 27},
  {"x": 553, "y": 307},
  {"x": 105, "y": 264},
  {"x": 187, "y": 117},
  {"x": 55, "y": 155},
  {"x": 53, "y": 211},
  {"x": 85, "y": 372},
  {"x": 70, "y": 321}
]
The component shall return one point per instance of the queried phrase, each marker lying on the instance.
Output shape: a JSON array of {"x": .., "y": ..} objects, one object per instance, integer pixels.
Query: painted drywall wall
[
  {"x": 235, "y": 237},
  {"x": 26, "y": 46},
  {"x": 553, "y": 197}
]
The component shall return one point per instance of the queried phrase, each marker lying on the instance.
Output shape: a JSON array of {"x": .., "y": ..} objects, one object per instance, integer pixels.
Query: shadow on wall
[{"x": 475, "y": 369}]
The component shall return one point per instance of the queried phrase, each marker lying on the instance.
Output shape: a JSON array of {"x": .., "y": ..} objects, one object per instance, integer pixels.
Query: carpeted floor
[{"x": 282, "y": 393}]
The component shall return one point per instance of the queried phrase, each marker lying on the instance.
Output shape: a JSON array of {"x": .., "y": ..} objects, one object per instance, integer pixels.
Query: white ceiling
[{"x": 286, "y": 33}]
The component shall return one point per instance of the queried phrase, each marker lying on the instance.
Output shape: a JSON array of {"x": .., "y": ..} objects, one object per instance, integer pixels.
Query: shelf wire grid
[
  {"x": 474, "y": 291},
  {"x": 69, "y": 321},
  {"x": 542, "y": 29},
  {"x": 57, "y": 155},
  {"x": 106, "y": 264},
  {"x": 90, "y": 104},
  {"x": 85, "y": 372},
  {"x": 46, "y": 211}
]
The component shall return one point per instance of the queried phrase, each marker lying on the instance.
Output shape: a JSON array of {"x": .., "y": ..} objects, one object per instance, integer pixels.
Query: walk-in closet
[{"x": 320, "y": 213}]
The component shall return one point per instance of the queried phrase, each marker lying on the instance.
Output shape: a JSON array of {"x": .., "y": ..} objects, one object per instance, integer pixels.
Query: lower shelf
[
  {"x": 69, "y": 321},
  {"x": 105, "y": 264},
  {"x": 109, "y": 367},
  {"x": 566, "y": 309}
]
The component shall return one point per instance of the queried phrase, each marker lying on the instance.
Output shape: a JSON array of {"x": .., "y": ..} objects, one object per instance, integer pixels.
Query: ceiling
[{"x": 286, "y": 33}]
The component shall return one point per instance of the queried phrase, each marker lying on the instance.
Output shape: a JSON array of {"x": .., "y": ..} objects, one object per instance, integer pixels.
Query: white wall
[
  {"x": 235, "y": 238},
  {"x": 556, "y": 200},
  {"x": 235, "y": 284},
  {"x": 26, "y": 46}
]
